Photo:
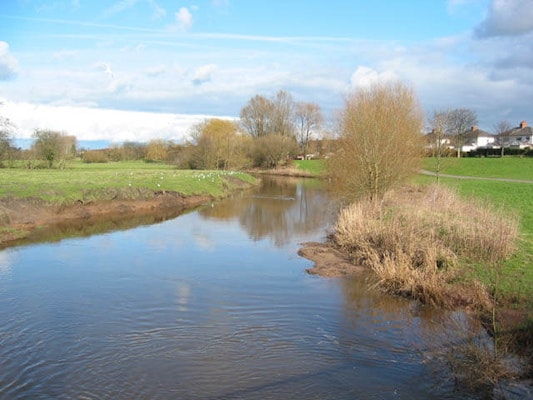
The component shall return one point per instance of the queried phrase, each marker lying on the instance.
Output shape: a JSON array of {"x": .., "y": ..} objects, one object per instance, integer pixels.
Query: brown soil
[
  {"x": 329, "y": 262},
  {"x": 22, "y": 217}
]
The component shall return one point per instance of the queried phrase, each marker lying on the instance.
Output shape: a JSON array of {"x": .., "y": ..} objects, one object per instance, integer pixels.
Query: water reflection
[
  {"x": 279, "y": 210},
  {"x": 209, "y": 305}
]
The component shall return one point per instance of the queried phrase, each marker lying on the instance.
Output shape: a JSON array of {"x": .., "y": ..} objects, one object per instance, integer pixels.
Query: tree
[
  {"x": 156, "y": 150},
  {"x": 6, "y": 128},
  {"x": 502, "y": 130},
  {"x": 268, "y": 151},
  {"x": 380, "y": 140},
  {"x": 256, "y": 116},
  {"x": 458, "y": 121},
  {"x": 263, "y": 116},
  {"x": 218, "y": 145},
  {"x": 132, "y": 151},
  {"x": 283, "y": 114},
  {"x": 53, "y": 146},
  {"x": 309, "y": 118},
  {"x": 439, "y": 141}
]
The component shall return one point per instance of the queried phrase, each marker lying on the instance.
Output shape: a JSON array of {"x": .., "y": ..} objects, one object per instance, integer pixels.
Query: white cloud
[
  {"x": 184, "y": 19},
  {"x": 203, "y": 74},
  {"x": 365, "y": 76},
  {"x": 507, "y": 17},
  {"x": 220, "y": 3},
  {"x": 157, "y": 11},
  {"x": 119, "y": 7},
  {"x": 8, "y": 63},
  {"x": 155, "y": 71},
  {"x": 100, "y": 124}
]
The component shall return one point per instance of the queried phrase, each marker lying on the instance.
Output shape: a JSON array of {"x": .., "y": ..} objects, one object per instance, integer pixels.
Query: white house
[
  {"x": 476, "y": 138},
  {"x": 520, "y": 137}
]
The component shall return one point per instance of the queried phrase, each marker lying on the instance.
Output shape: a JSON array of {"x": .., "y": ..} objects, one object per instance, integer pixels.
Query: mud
[
  {"x": 20, "y": 219},
  {"x": 329, "y": 262}
]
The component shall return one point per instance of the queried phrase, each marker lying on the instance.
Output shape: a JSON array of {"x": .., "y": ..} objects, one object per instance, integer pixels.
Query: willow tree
[
  {"x": 218, "y": 145},
  {"x": 380, "y": 140}
]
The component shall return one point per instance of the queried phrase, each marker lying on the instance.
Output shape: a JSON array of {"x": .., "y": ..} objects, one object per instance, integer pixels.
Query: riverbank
[
  {"x": 443, "y": 250},
  {"x": 36, "y": 200},
  {"x": 22, "y": 218}
]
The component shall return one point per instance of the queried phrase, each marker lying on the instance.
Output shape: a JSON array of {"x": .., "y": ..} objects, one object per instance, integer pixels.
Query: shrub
[
  {"x": 414, "y": 238},
  {"x": 95, "y": 156}
]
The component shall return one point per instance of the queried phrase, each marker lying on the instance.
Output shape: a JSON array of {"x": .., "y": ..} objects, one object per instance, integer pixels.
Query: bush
[{"x": 95, "y": 156}]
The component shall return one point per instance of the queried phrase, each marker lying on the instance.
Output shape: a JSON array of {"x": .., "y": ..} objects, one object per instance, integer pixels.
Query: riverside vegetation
[{"x": 466, "y": 243}]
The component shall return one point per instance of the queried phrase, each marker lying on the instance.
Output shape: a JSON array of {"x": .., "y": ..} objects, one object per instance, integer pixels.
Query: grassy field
[
  {"x": 511, "y": 197},
  {"x": 507, "y": 167},
  {"x": 315, "y": 167},
  {"x": 80, "y": 181}
]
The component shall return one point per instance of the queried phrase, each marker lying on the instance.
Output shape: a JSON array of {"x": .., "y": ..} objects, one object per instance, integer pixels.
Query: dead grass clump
[{"x": 414, "y": 239}]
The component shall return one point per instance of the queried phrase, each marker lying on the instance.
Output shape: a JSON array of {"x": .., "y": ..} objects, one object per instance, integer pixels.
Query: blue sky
[{"x": 140, "y": 69}]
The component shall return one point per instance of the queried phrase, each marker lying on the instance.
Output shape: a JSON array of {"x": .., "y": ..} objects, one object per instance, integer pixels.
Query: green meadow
[
  {"x": 507, "y": 197},
  {"x": 89, "y": 182}
]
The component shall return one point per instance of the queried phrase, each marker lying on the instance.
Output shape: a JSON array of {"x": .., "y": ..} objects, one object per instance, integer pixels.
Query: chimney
[
  {"x": 474, "y": 128},
  {"x": 523, "y": 124}
]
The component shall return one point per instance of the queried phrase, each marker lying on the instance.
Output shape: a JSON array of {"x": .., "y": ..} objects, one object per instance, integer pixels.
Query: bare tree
[
  {"x": 458, "y": 122},
  {"x": 438, "y": 141},
  {"x": 283, "y": 114},
  {"x": 380, "y": 140},
  {"x": 256, "y": 116},
  {"x": 309, "y": 118},
  {"x": 263, "y": 116},
  {"x": 502, "y": 130}
]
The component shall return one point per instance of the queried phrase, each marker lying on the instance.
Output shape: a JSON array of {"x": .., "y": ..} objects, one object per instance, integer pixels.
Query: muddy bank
[
  {"x": 21, "y": 219},
  {"x": 329, "y": 262}
]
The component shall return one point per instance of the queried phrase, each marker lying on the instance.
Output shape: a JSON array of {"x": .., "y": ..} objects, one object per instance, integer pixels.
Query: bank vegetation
[{"x": 427, "y": 242}]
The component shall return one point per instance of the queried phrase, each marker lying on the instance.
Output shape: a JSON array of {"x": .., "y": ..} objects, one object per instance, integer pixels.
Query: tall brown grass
[{"x": 415, "y": 238}]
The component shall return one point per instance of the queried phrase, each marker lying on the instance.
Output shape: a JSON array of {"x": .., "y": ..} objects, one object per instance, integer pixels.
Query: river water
[{"x": 213, "y": 304}]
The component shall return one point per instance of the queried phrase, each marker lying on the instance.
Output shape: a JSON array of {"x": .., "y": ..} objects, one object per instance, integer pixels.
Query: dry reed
[{"x": 414, "y": 238}]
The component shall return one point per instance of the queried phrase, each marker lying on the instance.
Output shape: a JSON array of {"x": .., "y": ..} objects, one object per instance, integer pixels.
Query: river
[{"x": 212, "y": 304}]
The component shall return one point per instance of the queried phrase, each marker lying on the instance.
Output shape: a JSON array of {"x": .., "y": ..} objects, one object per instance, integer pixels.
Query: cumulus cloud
[
  {"x": 101, "y": 124},
  {"x": 365, "y": 77},
  {"x": 507, "y": 18},
  {"x": 184, "y": 19},
  {"x": 8, "y": 63},
  {"x": 203, "y": 74}
]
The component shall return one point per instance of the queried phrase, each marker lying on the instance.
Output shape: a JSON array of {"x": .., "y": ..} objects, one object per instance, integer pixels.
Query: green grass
[
  {"x": 315, "y": 167},
  {"x": 84, "y": 182},
  {"x": 507, "y": 167},
  {"x": 512, "y": 197}
]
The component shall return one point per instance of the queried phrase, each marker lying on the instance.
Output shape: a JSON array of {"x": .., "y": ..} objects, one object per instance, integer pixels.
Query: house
[
  {"x": 520, "y": 137},
  {"x": 476, "y": 138},
  {"x": 435, "y": 141}
]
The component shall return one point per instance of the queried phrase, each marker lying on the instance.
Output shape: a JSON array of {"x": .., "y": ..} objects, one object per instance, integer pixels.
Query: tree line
[
  {"x": 270, "y": 130},
  {"x": 378, "y": 138}
]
